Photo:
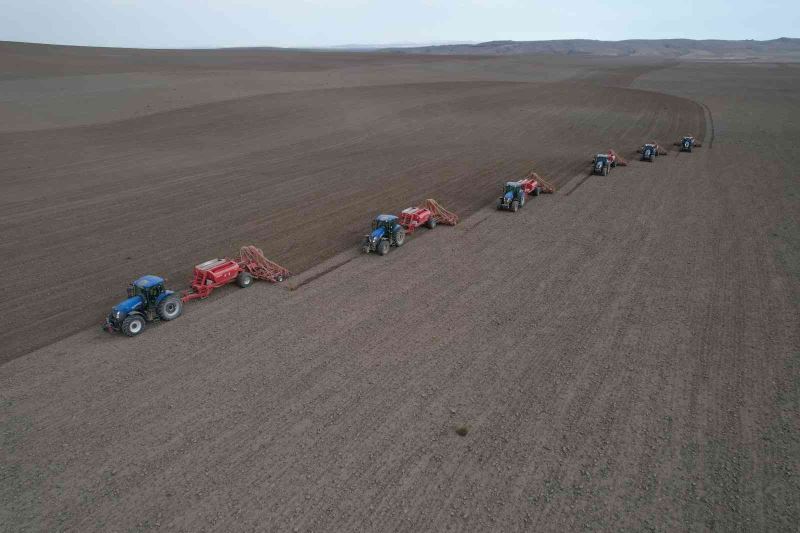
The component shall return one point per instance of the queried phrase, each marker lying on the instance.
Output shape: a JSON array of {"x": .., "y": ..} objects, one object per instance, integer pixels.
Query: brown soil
[
  {"x": 300, "y": 174},
  {"x": 624, "y": 356}
]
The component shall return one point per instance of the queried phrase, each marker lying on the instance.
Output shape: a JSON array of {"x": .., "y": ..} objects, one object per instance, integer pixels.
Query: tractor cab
[
  {"x": 687, "y": 143},
  {"x": 149, "y": 288},
  {"x": 649, "y": 152},
  {"x": 387, "y": 222},
  {"x": 513, "y": 188}
]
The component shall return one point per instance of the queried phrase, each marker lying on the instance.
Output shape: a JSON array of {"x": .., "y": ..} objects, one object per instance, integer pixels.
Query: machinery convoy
[{"x": 149, "y": 300}]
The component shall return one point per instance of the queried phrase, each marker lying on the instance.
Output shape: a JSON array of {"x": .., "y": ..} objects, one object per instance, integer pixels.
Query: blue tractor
[
  {"x": 386, "y": 232},
  {"x": 147, "y": 301},
  {"x": 513, "y": 197},
  {"x": 649, "y": 152},
  {"x": 602, "y": 164},
  {"x": 687, "y": 143}
]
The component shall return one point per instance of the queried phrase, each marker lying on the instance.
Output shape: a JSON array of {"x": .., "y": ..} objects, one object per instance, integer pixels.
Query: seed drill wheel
[
  {"x": 170, "y": 308},
  {"x": 244, "y": 279},
  {"x": 431, "y": 223},
  {"x": 133, "y": 325}
]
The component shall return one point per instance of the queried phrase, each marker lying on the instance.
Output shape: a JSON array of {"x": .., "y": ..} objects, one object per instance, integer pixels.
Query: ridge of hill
[{"x": 784, "y": 47}]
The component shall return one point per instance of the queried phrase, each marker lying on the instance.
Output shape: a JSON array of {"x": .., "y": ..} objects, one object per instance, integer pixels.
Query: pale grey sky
[{"x": 211, "y": 23}]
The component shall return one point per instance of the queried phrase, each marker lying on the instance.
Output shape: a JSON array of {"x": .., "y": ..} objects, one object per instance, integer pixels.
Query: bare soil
[
  {"x": 299, "y": 173},
  {"x": 624, "y": 354}
]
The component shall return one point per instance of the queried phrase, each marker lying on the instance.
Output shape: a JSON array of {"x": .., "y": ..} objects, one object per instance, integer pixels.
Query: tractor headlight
[{"x": 117, "y": 314}]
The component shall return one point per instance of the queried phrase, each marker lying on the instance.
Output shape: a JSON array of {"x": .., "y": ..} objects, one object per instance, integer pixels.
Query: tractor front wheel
[
  {"x": 605, "y": 171},
  {"x": 383, "y": 247},
  {"x": 514, "y": 206},
  {"x": 244, "y": 279},
  {"x": 399, "y": 237},
  {"x": 133, "y": 325},
  {"x": 170, "y": 308}
]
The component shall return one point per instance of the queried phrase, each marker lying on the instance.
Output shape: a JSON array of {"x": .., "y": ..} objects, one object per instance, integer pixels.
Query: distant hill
[
  {"x": 392, "y": 46},
  {"x": 783, "y": 48}
]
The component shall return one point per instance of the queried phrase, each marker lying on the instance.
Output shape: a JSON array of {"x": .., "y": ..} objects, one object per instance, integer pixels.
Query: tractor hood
[
  {"x": 377, "y": 234},
  {"x": 509, "y": 195},
  {"x": 126, "y": 306}
]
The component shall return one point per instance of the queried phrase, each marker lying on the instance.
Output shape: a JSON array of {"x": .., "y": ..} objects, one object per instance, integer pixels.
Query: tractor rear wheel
[
  {"x": 383, "y": 247},
  {"x": 514, "y": 206},
  {"x": 170, "y": 308},
  {"x": 399, "y": 237},
  {"x": 431, "y": 223},
  {"x": 133, "y": 325},
  {"x": 244, "y": 279}
]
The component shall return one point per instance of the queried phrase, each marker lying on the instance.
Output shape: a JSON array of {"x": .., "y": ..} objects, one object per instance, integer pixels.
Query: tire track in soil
[{"x": 713, "y": 129}]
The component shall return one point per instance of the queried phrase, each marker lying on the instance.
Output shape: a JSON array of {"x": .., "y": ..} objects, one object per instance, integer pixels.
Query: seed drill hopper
[
  {"x": 246, "y": 267},
  {"x": 540, "y": 184},
  {"x": 616, "y": 159}
]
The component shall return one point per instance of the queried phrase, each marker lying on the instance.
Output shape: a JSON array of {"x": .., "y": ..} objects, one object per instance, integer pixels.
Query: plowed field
[
  {"x": 622, "y": 355},
  {"x": 300, "y": 174}
]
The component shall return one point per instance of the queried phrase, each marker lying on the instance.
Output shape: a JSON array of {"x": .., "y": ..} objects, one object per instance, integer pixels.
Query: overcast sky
[{"x": 211, "y": 23}]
